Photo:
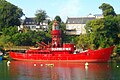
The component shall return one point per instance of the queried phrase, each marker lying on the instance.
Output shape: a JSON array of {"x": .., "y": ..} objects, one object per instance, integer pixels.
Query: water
[{"x": 18, "y": 70}]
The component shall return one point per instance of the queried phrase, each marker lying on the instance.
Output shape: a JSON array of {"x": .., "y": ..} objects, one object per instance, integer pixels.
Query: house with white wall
[
  {"x": 31, "y": 24},
  {"x": 76, "y": 25}
]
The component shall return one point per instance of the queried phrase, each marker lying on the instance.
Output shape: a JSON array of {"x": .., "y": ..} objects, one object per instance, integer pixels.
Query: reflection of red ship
[
  {"x": 58, "y": 71},
  {"x": 62, "y": 52}
]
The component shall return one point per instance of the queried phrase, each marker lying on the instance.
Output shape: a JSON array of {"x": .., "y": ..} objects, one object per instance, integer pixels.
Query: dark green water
[{"x": 18, "y": 70}]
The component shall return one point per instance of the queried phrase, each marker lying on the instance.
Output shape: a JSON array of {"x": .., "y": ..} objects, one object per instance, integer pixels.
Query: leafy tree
[
  {"x": 10, "y": 30},
  {"x": 9, "y": 14},
  {"x": 50, "y": 26},
  {"x": 48, "y": 38},
  {"x": 103, "y": 32},
  {"x": 83, "y": 41},
  {"x": 29, "y": 38},
  {"x": 107, "y": 10},
  {"x": 96, "y": 33},
  {"x": 113, "y": 29},
  {"x": 40, "y": 16},
  {"x": 4, "y": 40},
  {"x": 118, "y": 19},
  {"x": 58, "y": 18}
]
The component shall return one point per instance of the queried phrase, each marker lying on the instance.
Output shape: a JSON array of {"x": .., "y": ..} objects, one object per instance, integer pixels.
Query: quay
[{"x": 17, "y": 48}]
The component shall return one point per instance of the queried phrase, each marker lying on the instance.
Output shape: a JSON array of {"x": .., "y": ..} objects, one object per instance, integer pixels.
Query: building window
[
  {"x": 73, "y": 22},
  {"x": 26, "y": 22},
  {"x": 33, "y": 27},
  {"x": 32, "y": 22}
]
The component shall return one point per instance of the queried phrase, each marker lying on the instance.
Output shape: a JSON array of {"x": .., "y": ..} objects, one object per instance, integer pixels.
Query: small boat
[{"x": 56, "y": 51}]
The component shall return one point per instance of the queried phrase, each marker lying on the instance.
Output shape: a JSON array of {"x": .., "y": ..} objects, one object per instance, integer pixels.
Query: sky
[{"x": 64, "y": 8}]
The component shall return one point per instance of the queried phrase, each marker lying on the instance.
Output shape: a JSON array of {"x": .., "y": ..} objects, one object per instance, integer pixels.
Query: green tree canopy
[
  {"x": 9, "y": 14},
  {"x": 10, "y": 30},
  {"x": 40, "y": 16},
  {"x": 58, "y": 18},
  {"x": 107, "y": 9}
]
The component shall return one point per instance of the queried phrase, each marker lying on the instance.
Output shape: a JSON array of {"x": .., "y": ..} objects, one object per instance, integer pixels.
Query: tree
[
  {"x": 40, "y": 16},
  {"x": 9, "y": 14},
  {"x": 10, "y": 30},
  {"x": 4, "y": 39},
  {"x": 58, "y": 18},
  {"x": 103, "y": 32},
  {"x": 95, "y": 31},
  {"x": 107, "y": 9}
]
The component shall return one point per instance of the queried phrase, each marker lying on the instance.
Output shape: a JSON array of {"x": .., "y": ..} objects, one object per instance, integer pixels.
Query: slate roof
[
  {"x": 29, "y": 21},
  {"x": 98, "y": 15},
  {"x": 79, "y": 20}
]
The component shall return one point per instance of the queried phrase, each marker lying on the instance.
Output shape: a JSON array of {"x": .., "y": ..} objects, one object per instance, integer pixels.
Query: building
[
  {"x": 76, "y": 25},
  {"x": 31, "y": 24}
]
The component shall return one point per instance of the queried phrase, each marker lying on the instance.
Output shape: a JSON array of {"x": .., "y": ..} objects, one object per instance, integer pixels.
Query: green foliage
[
  {"x": 4, "y": 40},
  {"x": 58, "y": 18},
  {"x": 118, "y": 49},
  {"x": 83, "y": 41},
  {"x": 112, "y": 28},
  {"x": 107, "y": 9},
  {"x": 40, "y": 16},
  {"x": 103, "y": 32},
  {"x": 50, "y": 26},
  {"x": 9, "y": 14},
  {"x": 48, "y": 38},
  {"x": 68, "y": 38},
  {"x": 20, "y": 39},
  {"x": 96, "y": 33},
  {"x": 10, "y": 30},
  {"x": 28, "y": 39}
]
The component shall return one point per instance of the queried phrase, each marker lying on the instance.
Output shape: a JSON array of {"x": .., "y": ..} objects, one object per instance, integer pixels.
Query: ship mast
[{"x": 56, "y": 35}]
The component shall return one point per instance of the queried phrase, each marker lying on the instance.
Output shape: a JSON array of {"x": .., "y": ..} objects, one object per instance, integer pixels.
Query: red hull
[{"x": 101, "y": 55}]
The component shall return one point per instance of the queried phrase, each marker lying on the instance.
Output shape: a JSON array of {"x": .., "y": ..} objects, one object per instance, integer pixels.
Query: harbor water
[{"x": 20, "y": 70}]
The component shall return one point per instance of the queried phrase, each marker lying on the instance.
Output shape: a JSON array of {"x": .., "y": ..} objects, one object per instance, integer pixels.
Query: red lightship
[{"x": 62, "y": 52}]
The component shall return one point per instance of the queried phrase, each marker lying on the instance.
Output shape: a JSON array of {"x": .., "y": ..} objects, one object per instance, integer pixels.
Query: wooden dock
[{"x": 17, "y": 48}]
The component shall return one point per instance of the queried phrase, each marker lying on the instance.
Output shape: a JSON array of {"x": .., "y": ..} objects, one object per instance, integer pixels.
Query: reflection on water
[{"x": 18, "y": 70}]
